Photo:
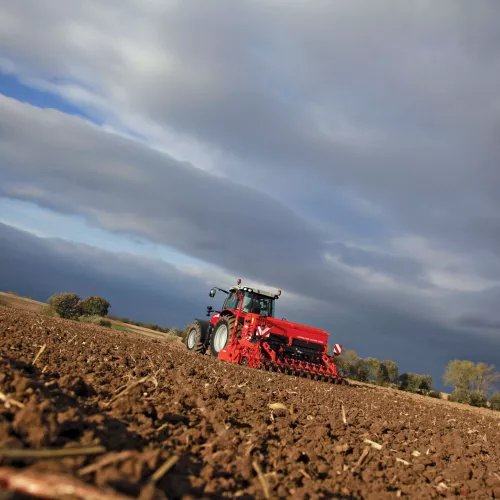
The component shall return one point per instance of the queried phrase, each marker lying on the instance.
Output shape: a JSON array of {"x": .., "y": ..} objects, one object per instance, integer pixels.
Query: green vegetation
[
  {"x": 66, "y": 305},
  {"x": 495, "y": 401},
  {"x": 460, "y": 396},
  {"x": 96, "y": 320},
  {"x": 93, "y": 309},
  {"x": 114, "y": 326},
  {"x": 95, "y": 306},
  {"x": 150, "y": 326},
  {"x": 413, "y": 382},
  {"x": 464, "y": 374},
  {"x": 478, "y": 399},
  {"x": 471, "y": 381}
]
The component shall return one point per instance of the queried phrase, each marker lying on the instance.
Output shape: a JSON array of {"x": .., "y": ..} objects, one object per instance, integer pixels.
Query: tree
[
  {"x": 464, "y": 374},
  {"x": 95, "y": 306},
  {"x": 495, "y": 401},
  {"x": 66, "y": 305},
  {"x": 353, "y": 366},
  {"x": 373, "y": 367},
  {"x": 425, "y": 382},
  {"x": 392, "y": 370},
  {"x": 413, "y": 382},
  {"x": 484, "y": 377},
  {"x": 460, "y": 374},
  {"x": 359, "y": 370}
]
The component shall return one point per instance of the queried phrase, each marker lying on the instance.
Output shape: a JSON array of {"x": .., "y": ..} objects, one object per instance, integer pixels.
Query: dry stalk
[
  {"x": 109, "y": 459},
  {"x": 52, "y": 486},
  {"x": 401, "y": 461},
  {"x": 48, "y": 453},
  {"x": 39, "y": 353},
  {"x": 9, "y": 401},
  {"x": 143, "y": 380},
  {"x": 344, "y": 419},
  {"x": 262, "y": 479},
  {"x": 373, "y": 444},
  {"x": 305, "y": 474},
  {"x": 163, "y": 469},
  {"x": 363, "y": 456}
]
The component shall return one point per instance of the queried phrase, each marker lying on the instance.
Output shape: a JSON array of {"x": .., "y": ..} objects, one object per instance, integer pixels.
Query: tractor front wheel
[
  {"x": 220, "y": 335},
  {"x": 193, "y": 339}
]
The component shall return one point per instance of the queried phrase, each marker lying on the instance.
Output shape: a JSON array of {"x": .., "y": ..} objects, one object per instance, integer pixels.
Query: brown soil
[
  {"x": 18, "y": 302},
  {"x": 216, "y": 420}
]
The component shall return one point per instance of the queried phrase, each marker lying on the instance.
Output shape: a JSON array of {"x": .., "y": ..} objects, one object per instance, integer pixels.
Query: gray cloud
[{"x": 396, "y": 103}]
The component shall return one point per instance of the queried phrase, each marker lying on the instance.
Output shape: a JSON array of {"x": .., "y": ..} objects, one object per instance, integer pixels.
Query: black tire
[
  {"x": 193, "y": 339},
  {"x": 215, "y": 342}
]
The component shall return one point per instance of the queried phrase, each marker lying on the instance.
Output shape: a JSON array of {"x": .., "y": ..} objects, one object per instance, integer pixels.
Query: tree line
[{"x": 472, "y": 382}]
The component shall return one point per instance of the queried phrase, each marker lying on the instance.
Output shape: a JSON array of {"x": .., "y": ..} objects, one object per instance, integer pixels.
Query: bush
[
  {"x": 478, "y": 399},
  {"x": 434, "y": 394},
  {"x": 178, "y": 333},
  {"x": 391, "y": 369},
  {"x": 413, "y": 382},
  {"x": 495, "y": 401},
  {"x": 48, "y": 311},
  {"x": 460, "y": 396},
  {"x": 95, "y": 306},
  {"x": 66, "y": 305},
  {"x": 357, "y": 369},
  {"x": 96, "y": 320}
]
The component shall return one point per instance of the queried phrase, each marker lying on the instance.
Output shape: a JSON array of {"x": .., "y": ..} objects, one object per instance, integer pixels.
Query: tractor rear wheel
[
  {"x": 193, "y": 338},
  {"x": 220, "y": 335}
]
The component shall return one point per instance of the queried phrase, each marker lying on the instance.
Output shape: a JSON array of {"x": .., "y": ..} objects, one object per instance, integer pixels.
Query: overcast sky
[{"x": 347, "y": 152}]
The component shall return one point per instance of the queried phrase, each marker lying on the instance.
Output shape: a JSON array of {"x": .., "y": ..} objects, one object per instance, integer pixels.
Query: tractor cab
[{"x": 251, "y": 300}]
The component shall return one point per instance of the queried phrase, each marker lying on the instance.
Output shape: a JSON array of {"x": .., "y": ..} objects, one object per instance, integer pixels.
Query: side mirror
[{"x": 212, "y": 292}]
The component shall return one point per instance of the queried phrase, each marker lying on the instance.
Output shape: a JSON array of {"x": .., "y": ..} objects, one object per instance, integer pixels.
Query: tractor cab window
[
  {"x": 258, "y": 304},
  {"x": 231, "y": 301}
]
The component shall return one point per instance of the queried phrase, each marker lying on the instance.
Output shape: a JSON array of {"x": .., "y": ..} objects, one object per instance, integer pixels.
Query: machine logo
[{"x": 263, "y": 332}]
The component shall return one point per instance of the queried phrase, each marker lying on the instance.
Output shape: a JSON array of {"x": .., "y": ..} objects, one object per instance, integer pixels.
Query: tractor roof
[{"x": 253, "y": 290}]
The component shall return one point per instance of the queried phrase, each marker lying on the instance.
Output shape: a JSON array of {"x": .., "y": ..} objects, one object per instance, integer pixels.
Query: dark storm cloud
[{"x": 141, "y": 289}]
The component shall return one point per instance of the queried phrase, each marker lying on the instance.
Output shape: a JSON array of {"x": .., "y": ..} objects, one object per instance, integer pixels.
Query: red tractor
[{"x": 246, "y": 332}]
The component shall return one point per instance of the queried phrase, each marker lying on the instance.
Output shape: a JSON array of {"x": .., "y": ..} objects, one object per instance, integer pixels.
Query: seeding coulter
[{"x": 246, "y": 332}]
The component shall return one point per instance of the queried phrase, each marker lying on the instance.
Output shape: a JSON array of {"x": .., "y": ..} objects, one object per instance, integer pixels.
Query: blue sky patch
[{"x": 11, "y": 86}]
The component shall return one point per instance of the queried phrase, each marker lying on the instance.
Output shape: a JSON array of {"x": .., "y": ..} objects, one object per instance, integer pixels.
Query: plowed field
[{"x": 162, "y": 422}]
